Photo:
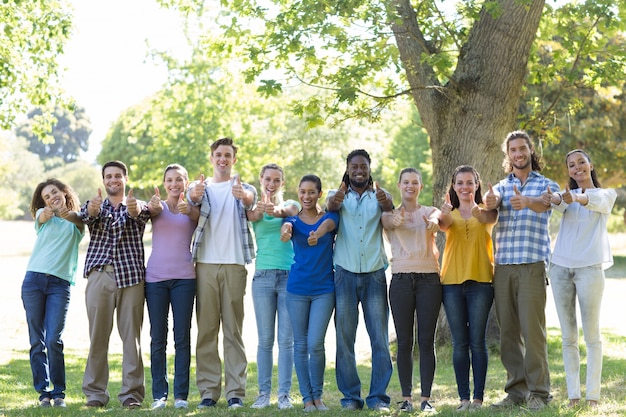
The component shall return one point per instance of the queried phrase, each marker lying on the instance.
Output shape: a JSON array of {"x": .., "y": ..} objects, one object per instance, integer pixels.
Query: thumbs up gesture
[
  {"x": 568, "y": 196},
  {"x": 548, "y": 197},
  {"x": 196, "y": 192},
  {"x": 131, "y": 204},
  {"x": 269, "y": 205},
  {"x": 491, "y": 198},
  {"x": 285, "y": 232},
  {"x": 312, "y": 239},
  {"x": 398, "y": 217},
  {"x": 237, "y": 188},
  {"x": 340, "y": 195},
  {"x": 476, "y": 210},
  {"x": 432, "y": 224},
  {"x": 518, "y": 201},
  {"x": 155, "y": 202},
  {"x": 182, "y": 205},
  {"x": 93, "y": 208},
  {"x": 446, "y": 208}
]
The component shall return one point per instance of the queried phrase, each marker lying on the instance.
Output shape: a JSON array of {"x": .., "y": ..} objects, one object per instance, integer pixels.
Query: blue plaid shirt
[
  {"x": 205, "y": 211},
  {"x": 522, "y": 235},
  {"x": 117, "y": 239}
]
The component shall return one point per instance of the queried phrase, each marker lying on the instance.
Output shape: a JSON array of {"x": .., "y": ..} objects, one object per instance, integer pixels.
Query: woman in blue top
[
  {"x": 310, "y": 288},
  {"x": 273, "y": 262},
  {"x": 46, "y": 287}
]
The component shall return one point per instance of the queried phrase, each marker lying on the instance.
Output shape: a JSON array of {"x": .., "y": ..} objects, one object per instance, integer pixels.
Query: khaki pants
[
  {"x": 220, "y": 292},
  {"x": 102, "y": 298},
  {"x": 520, "y": 300}
]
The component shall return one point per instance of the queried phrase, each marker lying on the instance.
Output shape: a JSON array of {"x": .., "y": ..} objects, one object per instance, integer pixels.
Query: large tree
[
  {"x": 32, "y": 36},
  {"x": 465, "y": 72},
  {"x": 68, "y": 136}
]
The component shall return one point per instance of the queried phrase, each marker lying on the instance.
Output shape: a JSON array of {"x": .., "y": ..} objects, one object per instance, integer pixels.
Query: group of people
[{"x": 312, "y": 262}]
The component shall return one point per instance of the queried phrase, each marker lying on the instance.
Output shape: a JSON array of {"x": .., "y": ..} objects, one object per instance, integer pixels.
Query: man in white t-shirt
[{"x": 222, "y": 246}]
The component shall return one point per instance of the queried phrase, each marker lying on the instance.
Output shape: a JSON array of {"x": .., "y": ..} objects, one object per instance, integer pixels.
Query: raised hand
[
  {"x": 237, "y": 188},
  {"x": 432, "y": 225},
  {"x": 446, "y": 208},
  {"x": 93, "y": 208},
  {"x": 340, "y": 195},
  {"x": 182, "y": 205},
  {"x": 269, "y": 205},
  {"x": 518, "y": 201},
  {"x": 491, "y": 198},
  {"x": 398, "y": 217},
  {"x": 197, "y": 191},
  {"x": 476, "y": 210},
  {"x": 285, "y": 232},
  {"x": 568, "y": 196},
  {"x": 381, "y": 195},
  {"x": 312, "y": 239},
  {"x": 546, "y": 196},
  {"x": 131, "y": 204},
  {"x": 155, "y": 201}
]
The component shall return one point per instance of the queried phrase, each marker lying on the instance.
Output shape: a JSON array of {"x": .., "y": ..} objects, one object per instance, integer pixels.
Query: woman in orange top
[{"x": 467, "y": 275}]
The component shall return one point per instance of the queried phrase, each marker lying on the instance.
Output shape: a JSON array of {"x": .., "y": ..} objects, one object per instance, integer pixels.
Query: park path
[{"x": 17, "y": 241}]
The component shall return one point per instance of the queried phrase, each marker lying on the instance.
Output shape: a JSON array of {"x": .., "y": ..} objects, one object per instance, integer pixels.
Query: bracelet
[{"x": 560, "y": 198}]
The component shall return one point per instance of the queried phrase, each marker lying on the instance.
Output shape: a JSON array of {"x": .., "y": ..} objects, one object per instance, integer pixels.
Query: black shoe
[
  {"x": 235, "y": 403},
  {"x": 207, "y": 403}
]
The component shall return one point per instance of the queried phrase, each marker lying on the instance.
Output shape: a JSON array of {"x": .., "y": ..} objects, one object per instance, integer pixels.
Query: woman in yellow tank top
[{"x": 467, "y": 275}]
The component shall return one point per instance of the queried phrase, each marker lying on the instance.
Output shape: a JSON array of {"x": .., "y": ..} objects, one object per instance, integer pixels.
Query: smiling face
[
  {"x": 53, "y": 197},
  {"x": 114, "y": 181},
  {"x": 465, "y": 186},
  {"x": 271, "y": 181},
  {"x": 579, "y": 169},
  {"x": 410, "y": 185},
  {"x": 175, "y": 182},
  {"x": 519, "y": 153},
  {"x": 223, "y": 158},
  {"x": 359, "y": 172},
  {"x": 308, "y": 194}
]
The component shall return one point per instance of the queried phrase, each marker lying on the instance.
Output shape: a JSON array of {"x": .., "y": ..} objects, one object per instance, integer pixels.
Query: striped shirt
[
  {"x": 522, "y": 236},
  {"x": 116, "y": 239},
  {"x": 247, "y": 241}
]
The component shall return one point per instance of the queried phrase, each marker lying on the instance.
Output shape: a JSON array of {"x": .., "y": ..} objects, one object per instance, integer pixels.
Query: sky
[{"x": 105, "y": 61}]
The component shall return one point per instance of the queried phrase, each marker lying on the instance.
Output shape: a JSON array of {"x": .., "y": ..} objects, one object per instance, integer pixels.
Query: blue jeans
[
  {"x": 46, "y": 299},
  {"x": 414, "y": 295},
  {"x": 180, "y": 294},
  {"x": 369, "y": 289},
  {"x": 268, "y": 295},
  {"x": 467, "y": 308},
  {"x": 310, "y": 315}
]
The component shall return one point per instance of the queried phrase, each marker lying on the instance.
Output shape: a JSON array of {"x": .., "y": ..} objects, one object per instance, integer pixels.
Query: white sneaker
[
  {"x": 285, "y": 402},
  {"x": 181, "y": 404},
  {"x": 262, "y": 401},
  {"x": 160, "y": 403}
]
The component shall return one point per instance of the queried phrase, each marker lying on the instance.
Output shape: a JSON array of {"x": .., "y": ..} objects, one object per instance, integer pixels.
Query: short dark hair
[
  {"x": 118, "y": 164},
  {"x": 314, "y": 179},
  {"x": 226, "y": 142}
]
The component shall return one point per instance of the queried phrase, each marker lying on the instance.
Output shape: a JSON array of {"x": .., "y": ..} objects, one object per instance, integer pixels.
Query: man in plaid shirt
[
  {"x": 522, "y": 252},
  {"x": 115, "y": 271}
]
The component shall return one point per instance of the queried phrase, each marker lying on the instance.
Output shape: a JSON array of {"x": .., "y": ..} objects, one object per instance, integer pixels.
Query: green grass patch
[
  {"x": 618, "y": 270},
  {"x": 17, "y": 397}
]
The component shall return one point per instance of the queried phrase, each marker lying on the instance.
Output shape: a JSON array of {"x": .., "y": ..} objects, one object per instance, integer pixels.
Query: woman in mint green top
[
  {"x": 273, "y": 262},
  {"x": 46, "y": 287}
]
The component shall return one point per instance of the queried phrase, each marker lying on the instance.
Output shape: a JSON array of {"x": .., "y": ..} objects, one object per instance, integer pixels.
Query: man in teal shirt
[{"x": 360, "y": 263}]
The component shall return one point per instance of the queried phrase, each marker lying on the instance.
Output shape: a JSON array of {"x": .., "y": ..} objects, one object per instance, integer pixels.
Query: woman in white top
[{"x": 581, "y": 255}]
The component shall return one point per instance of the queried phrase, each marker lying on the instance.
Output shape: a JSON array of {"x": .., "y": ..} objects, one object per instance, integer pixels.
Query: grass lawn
[{"x": 19, "y": 399}]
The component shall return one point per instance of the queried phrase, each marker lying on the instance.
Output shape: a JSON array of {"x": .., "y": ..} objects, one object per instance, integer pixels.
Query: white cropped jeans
[{"x": 586, "y": 284}]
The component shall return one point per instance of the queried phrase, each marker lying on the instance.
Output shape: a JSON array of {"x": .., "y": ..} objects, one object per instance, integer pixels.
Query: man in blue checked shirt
[{"x": 522, "y": 252}]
